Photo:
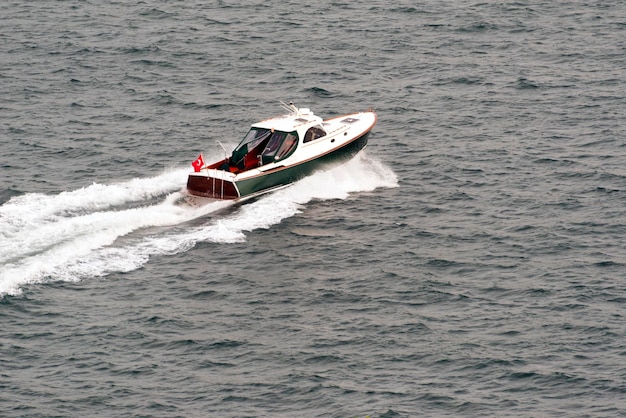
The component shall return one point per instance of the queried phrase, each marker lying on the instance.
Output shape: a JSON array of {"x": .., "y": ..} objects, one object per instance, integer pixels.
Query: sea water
[{"x": 469, "y": 262}]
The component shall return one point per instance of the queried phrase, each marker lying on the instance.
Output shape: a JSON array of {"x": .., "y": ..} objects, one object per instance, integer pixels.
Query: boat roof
[{"x": 294, "y": 120}]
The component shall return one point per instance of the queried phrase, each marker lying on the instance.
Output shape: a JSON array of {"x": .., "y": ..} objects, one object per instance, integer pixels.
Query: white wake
[{"x": 100, "y": 229}]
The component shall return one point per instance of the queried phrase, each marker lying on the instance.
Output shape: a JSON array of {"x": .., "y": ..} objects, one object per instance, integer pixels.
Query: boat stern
[{"x": 212, "y": 184}]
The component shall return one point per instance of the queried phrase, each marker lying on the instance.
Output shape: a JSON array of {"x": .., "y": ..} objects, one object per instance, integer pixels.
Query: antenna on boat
[
  {"x": 220, "y": 144},
  {"x": 291, "y": 108}
]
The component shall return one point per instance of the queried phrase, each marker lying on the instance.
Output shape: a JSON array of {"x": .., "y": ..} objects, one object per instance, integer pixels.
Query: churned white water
[{"x": 74, "y": 235}]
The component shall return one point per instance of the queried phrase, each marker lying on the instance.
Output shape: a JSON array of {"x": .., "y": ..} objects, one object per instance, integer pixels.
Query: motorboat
[{"x": 279, "y": 151}]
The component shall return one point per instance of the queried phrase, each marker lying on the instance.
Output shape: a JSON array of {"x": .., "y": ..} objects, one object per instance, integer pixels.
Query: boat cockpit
[{"x": 259, "y": 147}]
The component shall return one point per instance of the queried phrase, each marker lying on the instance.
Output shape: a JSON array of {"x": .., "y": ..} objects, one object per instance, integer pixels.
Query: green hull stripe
[{"x": 296, "y": 172}]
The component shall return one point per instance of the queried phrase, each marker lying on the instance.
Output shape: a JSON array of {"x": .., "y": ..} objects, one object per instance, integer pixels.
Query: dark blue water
[{"x": 470, "y": 262}]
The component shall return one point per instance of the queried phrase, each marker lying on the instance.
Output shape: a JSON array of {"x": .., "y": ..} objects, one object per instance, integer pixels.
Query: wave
[
  {"x": 101, "y": 229},
  {"x": 33, "y": 208}
]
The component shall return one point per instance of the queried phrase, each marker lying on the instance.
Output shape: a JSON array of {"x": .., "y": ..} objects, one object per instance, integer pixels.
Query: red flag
[{"x": 198, "y": 163}]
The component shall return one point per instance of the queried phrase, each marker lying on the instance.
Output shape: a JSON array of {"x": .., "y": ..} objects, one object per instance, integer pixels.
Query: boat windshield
[
  {"x": 262, "y": 146},
  {"x": 253, "y": 139},
  {"x": 280, "y": 145}
]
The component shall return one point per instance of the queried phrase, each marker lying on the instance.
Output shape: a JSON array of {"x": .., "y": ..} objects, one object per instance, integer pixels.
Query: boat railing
[
  {"x": 222, "y": 172},
  {"x": 223, "y": 147}
]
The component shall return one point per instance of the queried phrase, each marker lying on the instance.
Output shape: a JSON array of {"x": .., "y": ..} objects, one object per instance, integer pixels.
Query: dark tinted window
[{"x": 314, "y": 133}]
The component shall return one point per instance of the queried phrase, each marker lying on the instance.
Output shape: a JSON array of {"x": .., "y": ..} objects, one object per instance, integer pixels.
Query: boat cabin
[
  {"x": 274, "y": 140},
  {"x": 262, "y": 146}
]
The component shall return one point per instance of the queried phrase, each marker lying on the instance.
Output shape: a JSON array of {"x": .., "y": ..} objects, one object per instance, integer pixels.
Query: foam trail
[
  {"x": 29, "y": 210},
  {"x": 48, "y": 234},
  {"x": 89, "y": 244},
  {"x": 82, "y": 241}
]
